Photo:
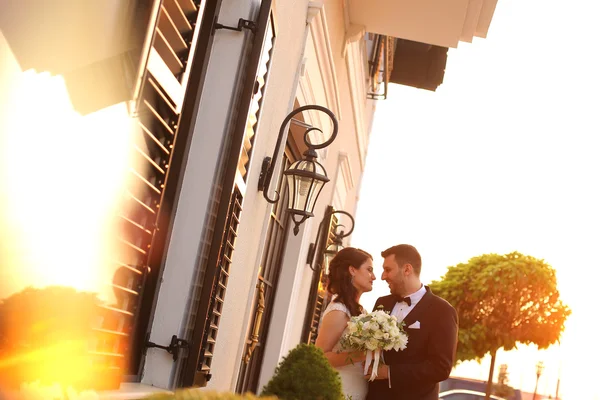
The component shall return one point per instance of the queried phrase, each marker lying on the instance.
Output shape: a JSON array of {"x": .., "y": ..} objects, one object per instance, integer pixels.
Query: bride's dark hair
[{"x": 340, "y": 279}]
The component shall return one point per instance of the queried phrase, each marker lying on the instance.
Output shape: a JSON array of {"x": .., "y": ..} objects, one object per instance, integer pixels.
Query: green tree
[
  {"x": 200, "y": 394},
  {"x": 305, "y": 374},
  {"x": 503, "y": 300}
]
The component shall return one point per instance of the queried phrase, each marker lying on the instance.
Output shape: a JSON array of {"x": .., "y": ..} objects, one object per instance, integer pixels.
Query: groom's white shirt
[{"x": 402, "y": 309}]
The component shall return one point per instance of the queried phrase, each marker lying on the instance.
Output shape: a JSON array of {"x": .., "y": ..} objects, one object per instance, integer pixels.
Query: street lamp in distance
[{"x": 539, "y": 369}]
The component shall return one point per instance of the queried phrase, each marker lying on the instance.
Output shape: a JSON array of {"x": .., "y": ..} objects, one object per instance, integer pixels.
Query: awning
[{"x": 419, "y": 65}]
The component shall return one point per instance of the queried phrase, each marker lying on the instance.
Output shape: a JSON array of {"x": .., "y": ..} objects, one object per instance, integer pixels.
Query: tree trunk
[{"x": 490, "y": 382}]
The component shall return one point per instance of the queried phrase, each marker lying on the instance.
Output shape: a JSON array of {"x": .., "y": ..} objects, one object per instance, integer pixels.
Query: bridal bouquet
[{"x": 373, "y": 333}]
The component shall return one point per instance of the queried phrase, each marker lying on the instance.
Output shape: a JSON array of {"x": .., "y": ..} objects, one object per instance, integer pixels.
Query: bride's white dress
[{"x": 353, "y": 381}]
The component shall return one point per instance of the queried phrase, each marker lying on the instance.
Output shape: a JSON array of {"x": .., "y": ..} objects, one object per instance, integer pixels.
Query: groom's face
[{"x": 394, "y": 275}]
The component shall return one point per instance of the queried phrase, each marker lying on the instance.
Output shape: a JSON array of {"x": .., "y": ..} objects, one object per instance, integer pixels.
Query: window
[
  {"x": 266, "y": 285},
  {"x": 319, "y": 298}
]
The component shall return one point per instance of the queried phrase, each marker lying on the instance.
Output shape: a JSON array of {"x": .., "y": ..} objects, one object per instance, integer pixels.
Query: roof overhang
[{"x": 438, "y": 22}]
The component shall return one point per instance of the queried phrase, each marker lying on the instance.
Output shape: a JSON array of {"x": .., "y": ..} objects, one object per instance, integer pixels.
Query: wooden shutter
[
  {"x": 318, "y": 297},
  {"x": 157, "y": 163},
  {"x": 210, "y": 291},
  {"x": 257, "y": 99},
  {"x": 174, "y": 34}
]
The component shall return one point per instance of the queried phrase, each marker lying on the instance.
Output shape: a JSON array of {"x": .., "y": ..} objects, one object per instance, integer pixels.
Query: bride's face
[{"x": 364, "y": 276}]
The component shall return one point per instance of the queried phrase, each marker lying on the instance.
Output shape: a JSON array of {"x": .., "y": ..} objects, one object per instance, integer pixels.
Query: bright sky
[{"x": 503, "y": 157}]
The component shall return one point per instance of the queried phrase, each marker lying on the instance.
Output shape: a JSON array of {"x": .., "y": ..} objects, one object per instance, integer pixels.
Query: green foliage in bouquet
[
  {"x": 199, "y": 394},
  {"x": 305, "y": 374}
]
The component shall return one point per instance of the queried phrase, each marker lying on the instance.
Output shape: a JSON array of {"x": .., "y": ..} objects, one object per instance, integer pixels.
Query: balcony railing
[{"x": 381, "y": 62}]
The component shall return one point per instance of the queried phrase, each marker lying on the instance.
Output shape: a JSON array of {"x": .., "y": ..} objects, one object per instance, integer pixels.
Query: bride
[{"x": 350, "y": 275}]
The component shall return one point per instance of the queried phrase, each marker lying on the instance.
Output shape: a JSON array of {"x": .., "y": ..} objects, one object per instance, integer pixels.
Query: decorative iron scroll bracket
[
  {"x": 242, "y": 24},
  {"x": 173, "y": 348},
  {"x": 312, "y": 248},
  {"x": 268, "y": 165}
]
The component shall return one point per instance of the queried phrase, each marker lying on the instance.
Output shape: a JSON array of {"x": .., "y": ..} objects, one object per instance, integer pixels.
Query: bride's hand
[
  {"x": 357, "y": 356},
  {"x": 383, "y": 372}
]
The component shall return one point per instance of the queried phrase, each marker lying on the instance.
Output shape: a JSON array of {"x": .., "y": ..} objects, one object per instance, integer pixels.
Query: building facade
[
  {"x": 303, "y": 61},
  {"x": 210, "y": 286}
]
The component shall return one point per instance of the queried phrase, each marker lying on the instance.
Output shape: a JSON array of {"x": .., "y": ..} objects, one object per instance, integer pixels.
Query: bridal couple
[{"x": 431, "y": 324}]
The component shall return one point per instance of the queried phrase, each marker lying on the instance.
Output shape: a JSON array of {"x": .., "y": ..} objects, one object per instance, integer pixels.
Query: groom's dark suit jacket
[{"x": 429, "y": 356}]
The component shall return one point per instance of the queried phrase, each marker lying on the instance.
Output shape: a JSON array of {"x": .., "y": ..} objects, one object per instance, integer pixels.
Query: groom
[{"x": 432, "y": 327}]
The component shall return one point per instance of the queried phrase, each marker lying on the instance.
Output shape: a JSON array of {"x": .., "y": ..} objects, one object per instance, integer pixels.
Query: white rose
[
  {"x": 401, "y": 342},
  {"x": 399, "y": 346}
]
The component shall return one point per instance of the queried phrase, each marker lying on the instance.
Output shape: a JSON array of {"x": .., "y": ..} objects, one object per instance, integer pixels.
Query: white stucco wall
[{"x": 342, "y": 160}]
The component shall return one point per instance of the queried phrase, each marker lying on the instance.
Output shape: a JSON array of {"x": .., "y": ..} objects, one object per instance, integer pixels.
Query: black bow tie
[{"x": 403, "y": 299}]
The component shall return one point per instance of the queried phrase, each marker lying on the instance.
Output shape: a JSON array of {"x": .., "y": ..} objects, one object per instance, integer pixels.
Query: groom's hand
[{"x": 382, "y": 372}]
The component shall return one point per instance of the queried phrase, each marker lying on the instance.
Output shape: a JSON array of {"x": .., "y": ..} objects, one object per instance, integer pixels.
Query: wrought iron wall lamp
[
  {"x": 328, "y": 251},
  {"x": 305, "y": 177}
]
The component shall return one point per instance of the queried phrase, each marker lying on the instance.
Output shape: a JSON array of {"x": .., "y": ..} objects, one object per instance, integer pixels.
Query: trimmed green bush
[
  {"x": 198, "y": 394},
  {"x": 305, "y": 374}
]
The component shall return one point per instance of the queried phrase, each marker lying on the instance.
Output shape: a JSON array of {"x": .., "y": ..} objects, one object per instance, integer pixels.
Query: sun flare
[
  {"x": 60, "y": 193},
  {"x": 64, "y": 178}
]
